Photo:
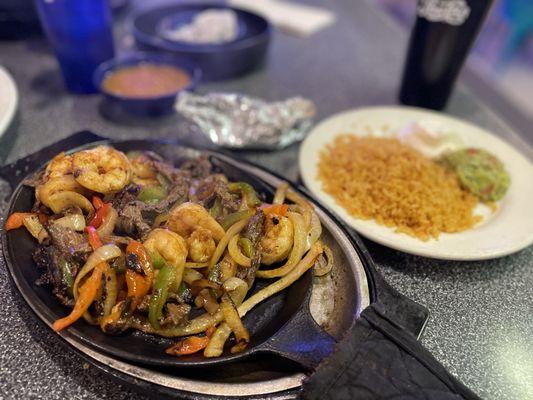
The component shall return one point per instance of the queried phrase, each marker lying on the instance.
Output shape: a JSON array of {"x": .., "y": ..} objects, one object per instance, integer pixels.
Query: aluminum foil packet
[{"x": 238, "y": 121}]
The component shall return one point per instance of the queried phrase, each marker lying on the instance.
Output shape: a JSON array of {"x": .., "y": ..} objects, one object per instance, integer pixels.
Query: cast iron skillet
[{"x": 281, "y": 325}]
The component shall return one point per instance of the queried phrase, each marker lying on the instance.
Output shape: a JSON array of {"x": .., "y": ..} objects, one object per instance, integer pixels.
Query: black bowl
[
  {"x": 144, "y": 106},
  {"x": 217, "y": 61}
]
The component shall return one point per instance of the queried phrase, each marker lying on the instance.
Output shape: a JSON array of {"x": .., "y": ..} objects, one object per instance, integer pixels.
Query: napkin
[
  {"x": 381, "y": 359},
  {"x": 297, "y": 19}
]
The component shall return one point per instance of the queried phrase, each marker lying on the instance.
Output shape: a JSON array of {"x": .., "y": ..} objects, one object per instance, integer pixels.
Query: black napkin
[{"x": 380, "y": 358}]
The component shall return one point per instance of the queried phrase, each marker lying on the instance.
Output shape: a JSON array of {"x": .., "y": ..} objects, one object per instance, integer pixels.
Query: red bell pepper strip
[
  {"x": 16, "y": 220},
  {"x": 100, "y": 215},
  {"x": 88, "y": 291},
  {"x": 94, "y": 239},
  {"x": 86, "y": 296},
  {"x": 97, "y": 202},
  {"x": 144, "y": 259},
  {"x": 278, "y": 209},
  {"x": 138, "y": 287},
  {"x": 192, "y": 344},
  {"x": 139, "y": 284}
]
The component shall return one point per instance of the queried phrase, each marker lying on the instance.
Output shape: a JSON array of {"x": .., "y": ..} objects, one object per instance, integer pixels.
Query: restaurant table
[{"x": 481, "y": 325}]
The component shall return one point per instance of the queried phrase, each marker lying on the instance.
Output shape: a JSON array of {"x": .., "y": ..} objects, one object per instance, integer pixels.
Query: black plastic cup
[{"x": 442, "y": 36}]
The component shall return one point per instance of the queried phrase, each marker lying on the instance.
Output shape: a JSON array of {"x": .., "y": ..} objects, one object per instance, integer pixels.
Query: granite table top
[{"x": 480, "y": 326}]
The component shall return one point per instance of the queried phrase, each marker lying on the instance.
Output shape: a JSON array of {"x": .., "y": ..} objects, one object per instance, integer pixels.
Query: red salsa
[{"x": 146, "y": 80}]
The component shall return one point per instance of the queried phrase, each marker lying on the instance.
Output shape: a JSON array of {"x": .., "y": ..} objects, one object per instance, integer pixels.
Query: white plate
[
  {"x": 506, "y": 231},
  {"x": 8, "y": 100}
]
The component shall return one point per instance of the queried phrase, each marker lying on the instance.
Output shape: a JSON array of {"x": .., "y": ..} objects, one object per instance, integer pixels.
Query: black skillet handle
[
  {"x": 13, "y": 173},
  {"x": 301, "y": 340}
]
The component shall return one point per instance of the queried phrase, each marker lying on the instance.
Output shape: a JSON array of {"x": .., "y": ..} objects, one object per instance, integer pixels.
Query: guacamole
[{"x": 480, "y": 172}]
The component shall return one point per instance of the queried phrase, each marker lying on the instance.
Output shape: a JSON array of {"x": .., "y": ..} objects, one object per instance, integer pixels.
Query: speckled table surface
[{"x": 481, "y": 325}]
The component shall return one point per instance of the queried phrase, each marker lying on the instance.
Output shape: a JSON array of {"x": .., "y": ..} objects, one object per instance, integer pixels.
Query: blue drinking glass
[{"x": 80, "y": 32}]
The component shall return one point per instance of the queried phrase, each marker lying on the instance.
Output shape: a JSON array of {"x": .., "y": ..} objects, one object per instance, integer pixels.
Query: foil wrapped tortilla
[{"x": 238, "y": 121}]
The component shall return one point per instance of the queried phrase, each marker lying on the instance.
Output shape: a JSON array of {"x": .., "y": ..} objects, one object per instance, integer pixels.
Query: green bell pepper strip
[
  {"x": 165, "y": 278},
  {"x": 157, "y": 260},
  {"x": 216, "y": 209},
  {"x": 247, "y": 190},
  {"x": 66, "y": 274},
  {"x": 214, "y": 276},
  {"x": 152, "y": 194},
  {"x": 247, "y": 247},
  {"x": 182, "y": 290},
  {"x": 236, "y": 217},
  {"x": 163, "y": 181}
]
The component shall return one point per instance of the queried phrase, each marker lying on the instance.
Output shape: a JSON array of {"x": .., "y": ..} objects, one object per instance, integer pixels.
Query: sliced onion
[
  {"x": 315, "y": 230},
  {"x": 196, "y": 325},
  {"x": 232, "y": 230},
  {"x": 232, "y": 318},
  {"x": 305, "y": 263},
  {"x": 204, "y": 283},
  {"x": 191, "y": 275},
  {"x": 195, "y": 265},
  {"x": 228, "y": 267},
  {"x": 237, "y": 289},
  {"x": 215, "y": 347},
  {"x": 306, "y": 213},
  {"x": 281, "y": 191},
  {"x": 108, "y": 224},
  {"x": 34, "y": 226},
  {"x": 101, "y": 254},
  {"x": 59, "y": 201},
  {"x": 111, "y": 290},
  {"x": 207, "y": 301},
  {"x": 118, "y": 240},
  {"x": 324, "y": 263},
  {"x": 236, "y": 253},
  {"x": 296, "y": 198},
  {"x": 75, "y": 222},
  {"x": 57, "y": 185}
]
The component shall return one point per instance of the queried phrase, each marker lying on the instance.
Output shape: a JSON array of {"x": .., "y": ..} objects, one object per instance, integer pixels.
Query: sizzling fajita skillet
[{"x": 283, "y": 328}]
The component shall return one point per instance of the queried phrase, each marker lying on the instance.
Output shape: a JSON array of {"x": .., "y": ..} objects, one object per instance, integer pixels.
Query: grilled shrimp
[
  {"x": 170, "y": 245},
  {"x": 102, "y": 169},
  {"x": 55, "y": 185},
  {"x": 201, "y": 245},
  {"x": 144, "y": 173},
  {"x": 277, "y": 240},
  {"x": 188, "y": 217},
  {"x": 61, "y": 192},
  {"x": 59, "y": 166}
]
